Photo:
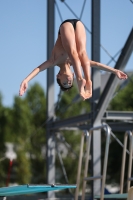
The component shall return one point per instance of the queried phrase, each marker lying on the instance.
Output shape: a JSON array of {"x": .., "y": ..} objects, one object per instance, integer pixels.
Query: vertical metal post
[
  {"x": 88, "y": 142},
  {"x": 123, "y": 163},
  {"x": 79, "y": 166},
  {"x": 96, "y": 83},
  {"x": 130, "y": 160},
  {"x": 108, "y": 134},
  {"x": 50, "y": 153}
]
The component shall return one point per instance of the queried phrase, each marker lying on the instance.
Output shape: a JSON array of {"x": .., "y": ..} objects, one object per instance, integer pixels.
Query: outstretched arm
[
  {"x": 24, "y": 85},
  {"x": 118, "y": 73}
]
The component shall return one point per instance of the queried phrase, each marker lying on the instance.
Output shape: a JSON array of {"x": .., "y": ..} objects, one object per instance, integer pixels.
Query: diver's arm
[
  {"x": 118, "y": 73},
  {"x": 102, "y": 67},
  {"x": 24, "y": 85}
]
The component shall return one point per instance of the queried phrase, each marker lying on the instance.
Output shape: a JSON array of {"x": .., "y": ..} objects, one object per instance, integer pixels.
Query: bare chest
[{"x": 59, "y": 53}]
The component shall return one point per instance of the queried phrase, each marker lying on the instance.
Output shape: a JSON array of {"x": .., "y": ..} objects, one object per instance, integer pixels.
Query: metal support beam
[
  {"x": 115, "y": 127},
  {"x": 113, "y": 80},
  {"x": 120, "y": 126},
  {"x": 118, "y": 115},
  {"x": 81, "y": 119},
  {"x": 96, "y": 83},
  {"x": 50, "y": 153},
  {"x": 70, "y": 121}
]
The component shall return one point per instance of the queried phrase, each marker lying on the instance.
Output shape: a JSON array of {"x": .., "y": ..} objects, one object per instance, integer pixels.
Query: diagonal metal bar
[
  {"x": 114, "y": 57},
  {"x": 70, "y": 9},
  {"x": 58, "y": 11},
  {"x": 76, "y": 16},
  {"x": 115, "y": 127},
  {"x": 113, "y": 80},
  {"x": 82, "y": 9},
  {"x": 71, "y": 121},
  {"x": 108, "y": 53}
]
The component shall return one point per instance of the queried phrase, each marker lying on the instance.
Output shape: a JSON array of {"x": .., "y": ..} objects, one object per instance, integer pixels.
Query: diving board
[
  {"x": 128, "y": 196},
  {"x": 30, "y": 189},
  {"x": 113, "y": 196}
]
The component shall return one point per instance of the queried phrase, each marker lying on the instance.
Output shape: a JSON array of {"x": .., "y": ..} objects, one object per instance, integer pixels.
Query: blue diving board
[
  {"x": 30, "y": 189},
  {"x": 113, "y": 196}
]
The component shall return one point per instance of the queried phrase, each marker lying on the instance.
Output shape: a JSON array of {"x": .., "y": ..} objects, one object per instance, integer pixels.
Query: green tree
[
  {"x": 123, "y": 101},
  {"x": 36, "y": 102},
  {"x": 71, "y": 105},
  {"x": 22, "y": 128},
  {"x": 5, "y": 133},
  {"x": 31, "y": 115},
  {"x": 2, "y": 127},
  {"x": 25, "y": 128}
]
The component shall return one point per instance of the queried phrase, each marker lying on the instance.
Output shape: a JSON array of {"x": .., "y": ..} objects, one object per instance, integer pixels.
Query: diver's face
[{"x": 66, "y": 80}]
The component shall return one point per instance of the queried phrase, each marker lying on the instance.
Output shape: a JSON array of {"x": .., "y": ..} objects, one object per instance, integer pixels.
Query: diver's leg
[
  {"x": 67, "y": 35},
  {"x": 85, "y": 62}
]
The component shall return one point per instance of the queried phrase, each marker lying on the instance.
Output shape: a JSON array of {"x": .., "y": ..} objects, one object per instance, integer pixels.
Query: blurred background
[{"x": 23, "y": 47}]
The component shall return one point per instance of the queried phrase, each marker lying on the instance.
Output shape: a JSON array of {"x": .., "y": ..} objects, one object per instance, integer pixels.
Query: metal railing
[
  {"x": 128, "y": 134},
  {"x": 84, "y": 134},
  {"x": 88, "y": 134}
]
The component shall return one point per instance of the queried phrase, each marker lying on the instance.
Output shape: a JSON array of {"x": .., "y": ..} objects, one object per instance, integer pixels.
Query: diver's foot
[
  {"x": 81, "y": 86},
  {"x": 88, "y": 89}
]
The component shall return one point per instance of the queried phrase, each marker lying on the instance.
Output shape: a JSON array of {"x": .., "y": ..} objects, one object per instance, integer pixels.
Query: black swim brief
[{"x": 72, "y": 21}]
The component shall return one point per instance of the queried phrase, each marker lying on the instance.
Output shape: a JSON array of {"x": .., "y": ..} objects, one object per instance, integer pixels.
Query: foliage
[
  {"x": 24, "y": 125},
  {"x": 19, "y": 125},
  {"x": 71, "y": 105},
  {"x": 2, "y": 144},
  {"x": 23, "y": 169},
  {"x": 124, "y": 99},
  {"x": 68, "y": 150}
]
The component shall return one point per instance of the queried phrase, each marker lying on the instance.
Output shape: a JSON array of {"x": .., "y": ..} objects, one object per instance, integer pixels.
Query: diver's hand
[
  {"x": 120, "y": 74},
  {"x": 23, "y": 87},
  {"x": 81, "y": 86}
]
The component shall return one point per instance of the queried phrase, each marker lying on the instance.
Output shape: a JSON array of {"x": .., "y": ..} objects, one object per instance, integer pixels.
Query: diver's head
[{"x": 65, "y": 80}]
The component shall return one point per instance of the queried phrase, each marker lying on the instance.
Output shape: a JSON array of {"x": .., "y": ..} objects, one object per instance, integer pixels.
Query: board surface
[
  {"x": 30, "y": 189},
  {"x": 113, "y": 196}
]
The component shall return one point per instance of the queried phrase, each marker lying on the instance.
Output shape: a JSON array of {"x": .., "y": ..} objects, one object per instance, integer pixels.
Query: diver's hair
[{"x": 61, "y": 87}]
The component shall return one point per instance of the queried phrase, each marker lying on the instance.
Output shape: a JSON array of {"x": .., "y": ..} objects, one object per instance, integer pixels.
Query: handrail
[
  {"x": 107, "y": 130},
  {"x": 130, "y": 135},
  {"x": 85, "y": 133}
]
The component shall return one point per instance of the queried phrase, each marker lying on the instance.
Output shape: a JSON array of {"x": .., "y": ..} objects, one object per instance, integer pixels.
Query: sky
[{"x": 23, "y": 37}]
